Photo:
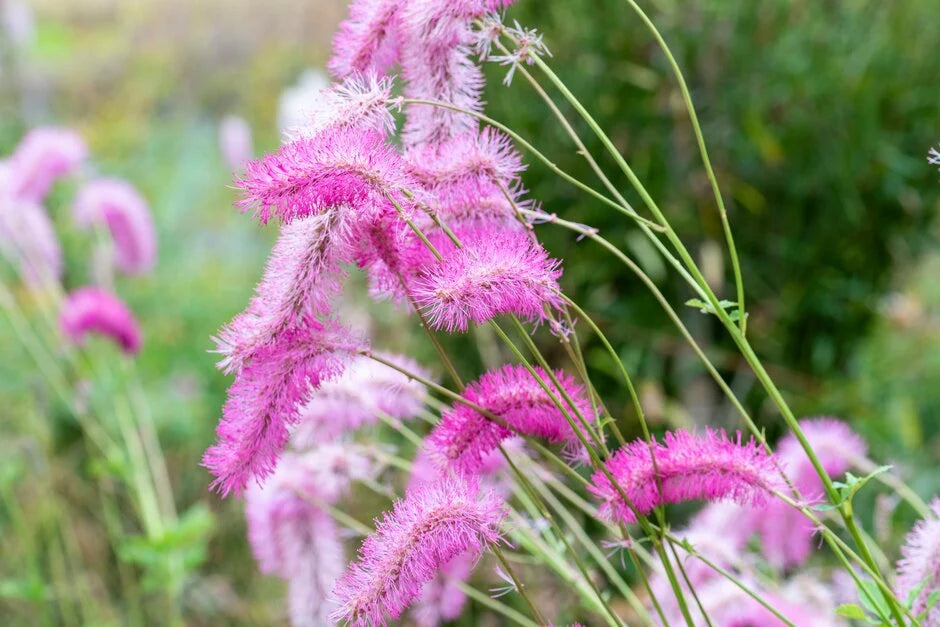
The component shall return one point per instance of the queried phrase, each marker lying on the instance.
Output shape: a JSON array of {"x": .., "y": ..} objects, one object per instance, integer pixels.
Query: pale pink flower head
[
  {"x": 920, "y": 564},
  {"x": 344, "y": 167},
  {"x": 427, "y": 529},
  {"x": 496, "y": 272},
  {"x": 366, "y": 389},
  {"x": 42, "y": 156},
  {"x": 464, "y": 439},
  {"x": 360, "y": 101},
  {"x": 235, "y": 141},
  {"x": 120, "y": 207},
  {"x": 709, "y": 467},
  {"x": 264, "y": 401},
  {"x": 293, "y": 539},
  {"x": 28, "y": 238},
  {"x": 488, "y": 155},
  {"x": 302, "y": 275},
  {"x": 96, "y": 310},
  {"x": 368, "y": 40}
]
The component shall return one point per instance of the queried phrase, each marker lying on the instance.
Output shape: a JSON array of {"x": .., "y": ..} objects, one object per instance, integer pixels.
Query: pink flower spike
[
  {"x": 302, "y": 275},
  {"x": 28, "y": 238},
  {"x": 360, "y": 101},
  {"x": 235, "y": 141},
  {"x": 488, "y": 155},
  {"x": 429, "y": 527},
  {"x": 265, "y": 399},
  {"x": 355, "y": 399},
  {"x": 341, "y": 167},
  {"x": 710, "y": 467},
  {"x": 368, "y": 39},
  {"x": 496, "y": 272},
  {"x": 95, "y": 310},
  {"x": 464, "y": 439},
  {"x": 42, "y": 156},
  {"x": 920, "y": 564},
  {"x": 118, "y": 205}
]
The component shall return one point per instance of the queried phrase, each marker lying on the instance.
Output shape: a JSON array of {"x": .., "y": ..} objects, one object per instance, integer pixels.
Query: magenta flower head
[
  {"x": 295, "y": 540},
  {"x": 786, "y": 535},
  {"x": 28, "y": 238},
  {"x": 360, "y": 101},
  {"x": 429, "y": 527},
  {"x": 302, "y": 275},
  {"x": 920, "y": 564},
  {"x": 496, "y": 272},
  {"x": 265, "y": 399},
  {"x": 95, "y": 310},
  {"x": 123, "y": 210},
  {"x": 368, "y": 40},
  {"x": 464, "y": 439},
  {"x": 355, "y": 399},
  {"x": 42, "y": 156},
  {"x": 708, "y": 467},
  {"x": 235, "y": 141},
  {"x": 340, "y": 167}
]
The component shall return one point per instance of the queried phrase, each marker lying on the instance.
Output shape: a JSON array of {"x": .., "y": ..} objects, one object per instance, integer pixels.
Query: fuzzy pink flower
[
  {"x": 295, "y": 540},
  {"x": 442, "y": 600},
  {"x": 95, "y": 310},
  {"x": 786, "y": 535},
  {"x": 42, "y": 156},
  {"x": 341, "y": 167},
  {"x": 496, "y": 272},
  {"x": 424, "y": 531},
  {"x": 436, "y": 41},
  {"x": 265, "y": 399},
  {"x": 235, "y": 141},
  {"x": 302, "y": 275},
  {"x": 487, "y": 155},
  {"x": 709, "y": 467},
  {"x": 355, "y": 399},
  {"x": 464, "y": 439},
  {"x": 360, "y": 101},
  {"x": 27, "y": 237},
  {"x": 368, "y": 39},
  {"x": 123, "y": 210},
  {"x": 920, "y": 564}
]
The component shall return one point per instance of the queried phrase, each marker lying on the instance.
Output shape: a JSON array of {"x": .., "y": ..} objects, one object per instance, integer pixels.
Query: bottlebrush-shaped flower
[
  {"x": 295, "y": 540},
  {"x": 496, "y": 272},
  {"x": 441, "y": 599},
  {"x": 368, "y": 40},
  {"x": 786, "y": 535},
  {"x": 355, "y": 399},
  {"x": 343, "y": 167},
  {"x": 302, "y": 275},
  {"x": 42, "y": 156},
  {"x": 235, "y": 141},
  {"x": 707, "y": 467},
  {"x": 27, "y": 237},
  {"x": 424, "y": 531},
  {"x": 488, "y": 155},
  {"x": 360, "y": 101},
  {"x": 464, "y": 439},
  {"x": 920, "y": 564},
  {"x": 265, "y": 399},
  {"x": 96, "y": 310},
  {"x": 123, "y": 210},
  {"x": 436, "y": 40}
]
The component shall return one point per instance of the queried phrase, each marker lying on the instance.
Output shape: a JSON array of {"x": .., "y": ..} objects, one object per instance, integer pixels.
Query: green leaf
[
  {"x": 869, "y": 594},
  {"x": 850, "y": 610}
]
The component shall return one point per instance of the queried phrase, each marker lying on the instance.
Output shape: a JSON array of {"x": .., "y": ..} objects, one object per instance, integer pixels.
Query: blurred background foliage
[{"x": 818, "y": 116}]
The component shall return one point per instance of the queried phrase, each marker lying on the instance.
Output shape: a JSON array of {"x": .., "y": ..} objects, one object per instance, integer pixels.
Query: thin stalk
[
  {"x": 520, "y": 587},
  {"x": 688, "y": 583},
  {"x": 493, "y": 604}
]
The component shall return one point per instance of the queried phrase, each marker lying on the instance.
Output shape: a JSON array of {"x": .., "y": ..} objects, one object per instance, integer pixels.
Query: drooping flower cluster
[
  {"x": 465, "y": 439},
  {"x": 920, "y": 565},
  {"x": 427, "y": 529},
  {"x": 685, "y": 467}
]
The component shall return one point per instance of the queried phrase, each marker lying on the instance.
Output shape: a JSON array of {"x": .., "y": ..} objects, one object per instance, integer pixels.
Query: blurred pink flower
[
  {"x": 27, "y": 236},
  {"x": 920, "y": 564},
  {"x": 235, "y": 141},
  {"x": 429, "y": 527},
  {"x": 116, "y": 204},
  {"x": 368, "y": 39},
  {"x": 95, "y": 310},
  {"x": 42, "y": 156},
  {"x": 441, "y": 599}
]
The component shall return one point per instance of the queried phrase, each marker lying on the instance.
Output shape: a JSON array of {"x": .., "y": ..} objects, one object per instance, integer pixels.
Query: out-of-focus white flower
[
  {"x": 235, "y": 141},
  {"x": 18, "y": 21},
  {"x": 296, "y": 102}
]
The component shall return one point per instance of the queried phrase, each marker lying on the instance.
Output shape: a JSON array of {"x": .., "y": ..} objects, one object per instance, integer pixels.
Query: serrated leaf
[{"x": 850, "y": 610}]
